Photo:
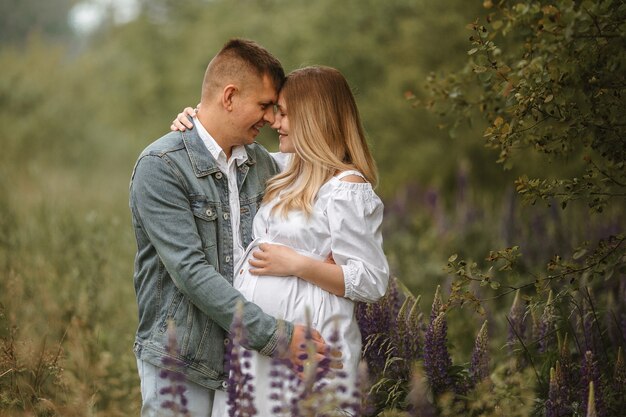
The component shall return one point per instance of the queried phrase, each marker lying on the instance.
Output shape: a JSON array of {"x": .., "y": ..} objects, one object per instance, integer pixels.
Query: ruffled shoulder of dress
[{"x": 339, "y": 193}]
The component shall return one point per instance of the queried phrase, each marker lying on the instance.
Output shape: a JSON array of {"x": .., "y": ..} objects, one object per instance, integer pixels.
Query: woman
[{"x": 322, "y": 204}]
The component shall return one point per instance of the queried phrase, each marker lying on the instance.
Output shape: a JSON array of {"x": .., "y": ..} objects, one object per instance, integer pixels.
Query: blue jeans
[{"x": 199, "y": 398}]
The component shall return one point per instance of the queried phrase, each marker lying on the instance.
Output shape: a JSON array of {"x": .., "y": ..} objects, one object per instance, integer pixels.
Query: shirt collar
[{"x": 238, "y": 153}]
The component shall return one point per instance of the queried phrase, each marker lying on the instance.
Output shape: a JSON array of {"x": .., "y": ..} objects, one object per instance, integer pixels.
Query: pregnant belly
[{"x": 287, "y": 298}]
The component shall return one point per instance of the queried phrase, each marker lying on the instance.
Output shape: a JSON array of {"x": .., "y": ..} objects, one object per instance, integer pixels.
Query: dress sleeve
[
  {"x": 281, "y": 159},
  {"x": 355, "y": 216}
]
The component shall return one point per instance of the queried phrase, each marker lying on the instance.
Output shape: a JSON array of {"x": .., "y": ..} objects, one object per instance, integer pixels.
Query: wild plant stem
[{"x": 527, "y": 353}]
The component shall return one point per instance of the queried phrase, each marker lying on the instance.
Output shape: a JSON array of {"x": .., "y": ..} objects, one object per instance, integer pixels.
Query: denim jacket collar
[{"x": 202, "y": 161}]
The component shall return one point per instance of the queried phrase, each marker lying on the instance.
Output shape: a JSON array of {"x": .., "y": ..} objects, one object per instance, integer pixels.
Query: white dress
[{"x": 346, "y": 221}]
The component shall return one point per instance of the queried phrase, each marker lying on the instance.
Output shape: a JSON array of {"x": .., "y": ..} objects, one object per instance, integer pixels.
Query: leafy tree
[
  {"x": 547, "y": 79},
  {"x": 551, "y": 81}
]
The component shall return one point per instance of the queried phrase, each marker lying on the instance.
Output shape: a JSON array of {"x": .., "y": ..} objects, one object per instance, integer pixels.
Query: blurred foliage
[
  {"x": 552, "y": 83},
  {"x": 20, "y": 19},
  {"x": 76, "y": 111}
]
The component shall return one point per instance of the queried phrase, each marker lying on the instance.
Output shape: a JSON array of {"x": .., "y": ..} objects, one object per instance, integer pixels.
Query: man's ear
[{"x": 228, "y": 95}]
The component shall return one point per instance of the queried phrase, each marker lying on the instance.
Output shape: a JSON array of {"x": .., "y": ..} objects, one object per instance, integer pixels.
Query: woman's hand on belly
[
  {"x": 281, "y": 261},
  {"x": 276, "y": 260}
]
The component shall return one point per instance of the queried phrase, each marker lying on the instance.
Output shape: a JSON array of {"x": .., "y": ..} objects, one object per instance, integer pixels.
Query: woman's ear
[{"x": 228, "y": 95}]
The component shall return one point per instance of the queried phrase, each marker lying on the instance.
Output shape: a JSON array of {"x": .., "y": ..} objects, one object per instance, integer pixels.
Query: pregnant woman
[{"x": 322, "y": 204}]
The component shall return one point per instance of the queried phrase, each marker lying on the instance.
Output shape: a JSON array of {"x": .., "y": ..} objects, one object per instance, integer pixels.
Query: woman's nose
[{"x": 275, "y": 124}]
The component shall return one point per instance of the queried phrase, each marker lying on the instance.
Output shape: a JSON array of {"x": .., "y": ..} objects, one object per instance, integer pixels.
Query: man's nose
[{"x": 269, "y": 116}]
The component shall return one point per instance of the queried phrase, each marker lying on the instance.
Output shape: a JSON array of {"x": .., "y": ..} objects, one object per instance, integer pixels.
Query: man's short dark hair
[
  {"x": 257, "y": 57},
  {"x": 239, "y": 57}
]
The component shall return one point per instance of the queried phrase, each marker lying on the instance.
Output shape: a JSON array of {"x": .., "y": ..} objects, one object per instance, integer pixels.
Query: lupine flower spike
[
  {"x": 361, "y": 406},
  {"x": 437, "y": 360},
  {"x": 437, "y": 304},
  {"x": 173, "y": 370},
  {"x": 479, "y": 365},
  {"x": 374, "y": 321},
  {"x": 557, "y": 402},
  {"x": 591, "y": 402},
  {"x": 546, "y": 325},
  {"x": 569, "y": 379},
  {"x": 401, "y": 336},
  {"x": 283, "y": 381},
  {"x": 415, "y": 324},
  {"x": 240, "y": 389},
  {"x": 517, "y": 319},
  {"x": 591, "y": 373}
]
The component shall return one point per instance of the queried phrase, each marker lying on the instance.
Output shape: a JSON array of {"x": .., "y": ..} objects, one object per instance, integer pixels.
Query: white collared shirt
[{"x": 229, "y": 169}]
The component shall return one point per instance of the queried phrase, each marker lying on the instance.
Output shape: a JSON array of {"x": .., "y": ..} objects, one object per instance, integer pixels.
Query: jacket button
[
  {"x": 224, "y": 384},
  {"x": 226, "y": 216},
  {"x": 227, "y": 259},
  {"x": 209, "y": 212},
  {"x": 218, "y": 175}
]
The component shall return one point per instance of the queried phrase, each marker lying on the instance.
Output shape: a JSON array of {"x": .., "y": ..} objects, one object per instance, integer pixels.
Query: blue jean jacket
[{"x": 184, "y": 262}]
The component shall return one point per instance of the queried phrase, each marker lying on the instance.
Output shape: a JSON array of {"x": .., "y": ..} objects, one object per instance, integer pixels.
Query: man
[{"x": 193, "y": 196}]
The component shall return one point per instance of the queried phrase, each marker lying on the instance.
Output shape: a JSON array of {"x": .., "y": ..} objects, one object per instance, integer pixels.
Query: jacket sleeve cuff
[{"x": 284, "y": 331}]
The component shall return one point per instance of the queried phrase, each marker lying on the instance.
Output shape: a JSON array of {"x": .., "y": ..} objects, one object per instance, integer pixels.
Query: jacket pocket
[
  {"x": 205, "y": 214},
  {"x": 170, "y": 314},
  {"x": 248, "y": 210}
]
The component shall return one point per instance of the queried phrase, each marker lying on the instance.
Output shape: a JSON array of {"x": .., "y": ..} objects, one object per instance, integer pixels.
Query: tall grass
[{"x": 68, "y": 310}]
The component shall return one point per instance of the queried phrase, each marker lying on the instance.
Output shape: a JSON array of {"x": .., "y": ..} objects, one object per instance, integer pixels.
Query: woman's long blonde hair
[{"x": 327, "y": 135}]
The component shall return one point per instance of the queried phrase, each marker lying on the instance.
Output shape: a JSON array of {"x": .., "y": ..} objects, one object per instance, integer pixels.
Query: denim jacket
[{"x": 184, "y": 262}]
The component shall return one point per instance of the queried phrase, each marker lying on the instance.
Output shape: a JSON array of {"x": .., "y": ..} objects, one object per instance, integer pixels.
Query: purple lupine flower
[
  {"x": 558, "y": 401},
  {"x": 517, "y": 321},
  {"x": 173, "y": 370},
  {"x": 547, "y": 325},
  {"x": 333, "y": 383},
  {"x": 413, "y": 340},
  {"x": 361, "y": 406},
  {"x": 375, "y": 320},
  {"x": 404, "y": 344},
  {"x": 283, "y": 381},
  {"x": 323, "y": 387},
  {"x": 479, "y": 365},
  {"x": 240, "y": 389},
  {"x": 589, "y": 372},
  {"x": 437, "y": 360}
]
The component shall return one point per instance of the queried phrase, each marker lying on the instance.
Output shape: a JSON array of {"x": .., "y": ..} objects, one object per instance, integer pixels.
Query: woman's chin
[{"x": 284, "y": 149}]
